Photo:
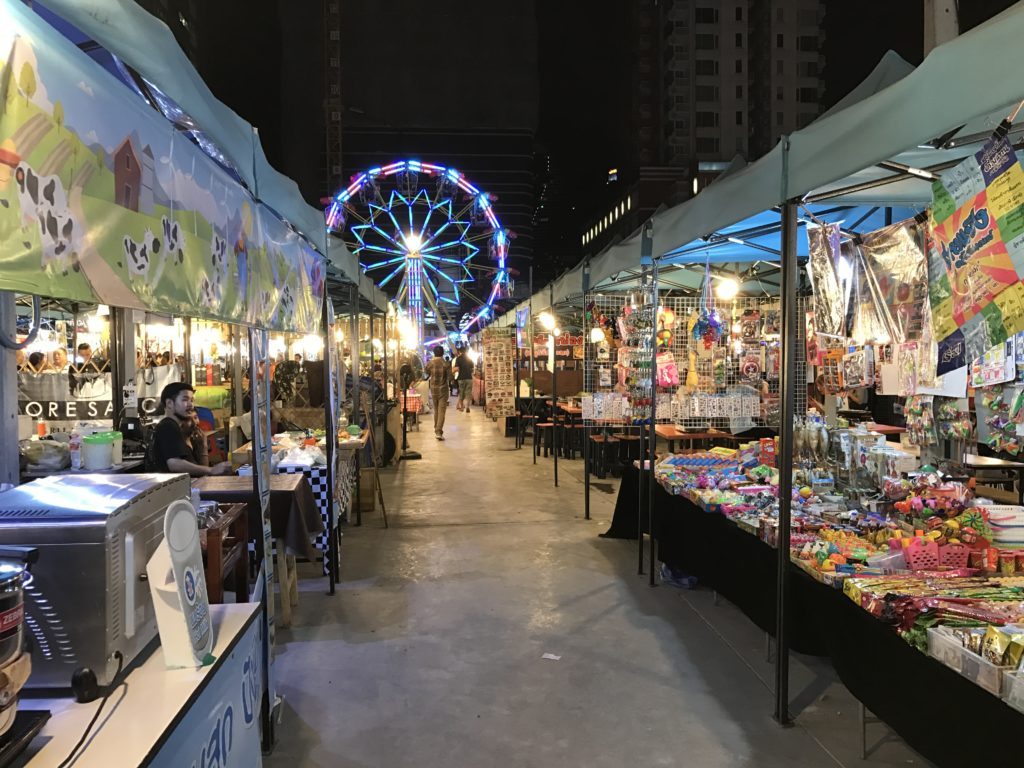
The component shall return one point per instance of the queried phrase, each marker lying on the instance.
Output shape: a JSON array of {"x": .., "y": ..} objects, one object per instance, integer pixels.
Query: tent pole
[
  {"x": 653, "y": 439},
  {"x": 785, "y": 458},
  {"x": 330, "y": 439},
  {"x": 587, "y": 368},
  {"x": 554, "y": 387}
]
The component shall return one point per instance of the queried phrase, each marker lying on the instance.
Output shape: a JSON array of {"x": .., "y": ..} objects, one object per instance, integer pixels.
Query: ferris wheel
[{"x": 424, "y": 232}]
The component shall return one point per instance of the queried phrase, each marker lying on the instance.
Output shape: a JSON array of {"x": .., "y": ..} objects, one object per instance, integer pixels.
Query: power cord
[{"x": 114, "y": 685}]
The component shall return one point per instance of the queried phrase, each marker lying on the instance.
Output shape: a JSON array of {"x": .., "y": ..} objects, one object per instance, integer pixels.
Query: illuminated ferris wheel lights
[{"x": 413, "y": 242}]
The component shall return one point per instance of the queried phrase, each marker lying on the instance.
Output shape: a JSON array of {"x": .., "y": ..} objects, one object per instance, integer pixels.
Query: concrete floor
[{"x": 432, "y": 652}]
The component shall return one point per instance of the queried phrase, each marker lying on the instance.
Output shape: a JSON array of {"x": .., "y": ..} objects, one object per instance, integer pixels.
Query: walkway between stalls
[{"x": 432, "y": 653}]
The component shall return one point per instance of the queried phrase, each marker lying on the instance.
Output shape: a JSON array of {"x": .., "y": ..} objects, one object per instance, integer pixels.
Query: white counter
[{"x": 170, "y": 717}]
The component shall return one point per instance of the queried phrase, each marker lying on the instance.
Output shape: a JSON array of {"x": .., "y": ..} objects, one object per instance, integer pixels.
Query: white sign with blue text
[{"x": 221, "y": 729}]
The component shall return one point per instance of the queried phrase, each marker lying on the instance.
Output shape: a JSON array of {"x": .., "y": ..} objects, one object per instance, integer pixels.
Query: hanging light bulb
[
  {"x": 597, "y": 335},
  {"x": 727, "y": 289}
]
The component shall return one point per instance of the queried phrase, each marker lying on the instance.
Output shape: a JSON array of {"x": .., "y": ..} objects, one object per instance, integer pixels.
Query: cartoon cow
[
  {"x": 214, "y": 285},
  {"x": 286, "y": 304},
  {"x": 173, "y": 241},
  {"x": 209, "y": 293},
  {"x": 44, "y": 201},
  {"x": 140, "y": 257}
]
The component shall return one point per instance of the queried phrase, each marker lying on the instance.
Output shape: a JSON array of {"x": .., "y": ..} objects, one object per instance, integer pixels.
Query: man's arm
[{"x": 193, "y": 470}]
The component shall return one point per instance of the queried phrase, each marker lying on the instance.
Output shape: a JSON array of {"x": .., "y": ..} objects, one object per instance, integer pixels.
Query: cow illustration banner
[
  {"x": 976, "y": 249},
  {"x": 103, "y": 200}
]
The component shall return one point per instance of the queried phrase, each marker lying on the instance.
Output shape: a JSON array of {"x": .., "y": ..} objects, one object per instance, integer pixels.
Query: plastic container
[
  {"x": 945, "y": 648},
  {"x": 1013, "y": 689},
  {"x": 890, "y": 562},
  {"x": 117, "y": 455},
  {"x": 97, "y": 452},
  {"x": 983, "y": 673}
]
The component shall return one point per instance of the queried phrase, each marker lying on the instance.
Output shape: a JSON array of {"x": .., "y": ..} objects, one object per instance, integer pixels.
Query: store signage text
[
  {"x": 217, "y": 749},
  {"x": 252, "y": 683},
  {"x": 59, "y": 410},
  {"x": 956, "y": 254}
]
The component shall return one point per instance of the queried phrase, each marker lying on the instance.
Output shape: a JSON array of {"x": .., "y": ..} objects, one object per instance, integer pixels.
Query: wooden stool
[
  {"x": 574, "y": 441},
  {"x": 524, "y": 420},
  {"x": 628, "y": 445},
  {"x": 599, "y": 448},
  {"x": 548, "y": 428}
]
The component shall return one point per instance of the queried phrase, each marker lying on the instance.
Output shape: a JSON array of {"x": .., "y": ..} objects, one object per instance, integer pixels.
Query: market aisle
[{"x": 432, "y": 652}]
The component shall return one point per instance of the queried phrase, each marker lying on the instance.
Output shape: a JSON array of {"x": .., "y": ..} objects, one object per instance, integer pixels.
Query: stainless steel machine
[{"x": 89, "y": 596}]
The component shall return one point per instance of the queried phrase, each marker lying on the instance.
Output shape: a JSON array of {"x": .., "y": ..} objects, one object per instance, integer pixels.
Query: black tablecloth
[{"x": 910, "y": 691}]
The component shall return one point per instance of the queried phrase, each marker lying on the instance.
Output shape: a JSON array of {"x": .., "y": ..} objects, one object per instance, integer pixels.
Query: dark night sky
[{"x": 579, "y": 65}]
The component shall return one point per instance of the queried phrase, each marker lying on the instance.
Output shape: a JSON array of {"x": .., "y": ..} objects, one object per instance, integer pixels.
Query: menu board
[{"x": 499, "y": 375}]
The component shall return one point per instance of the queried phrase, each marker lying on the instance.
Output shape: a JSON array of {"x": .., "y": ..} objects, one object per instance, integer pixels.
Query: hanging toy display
[
  {"x": 709, "y": 324},
  {"x": 666, "y": 322}
]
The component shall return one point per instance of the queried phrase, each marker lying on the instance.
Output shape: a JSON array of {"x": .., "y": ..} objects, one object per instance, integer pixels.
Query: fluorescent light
[{"x": 727, "y": 289}]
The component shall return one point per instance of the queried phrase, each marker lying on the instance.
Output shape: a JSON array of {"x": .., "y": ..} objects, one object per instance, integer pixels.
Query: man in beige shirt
[{"x": 439, "y": 375}]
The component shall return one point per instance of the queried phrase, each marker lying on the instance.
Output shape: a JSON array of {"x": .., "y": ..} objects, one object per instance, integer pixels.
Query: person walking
[
  {"x": 464, "y": 371},
  {"x": 439, "y": 375}
]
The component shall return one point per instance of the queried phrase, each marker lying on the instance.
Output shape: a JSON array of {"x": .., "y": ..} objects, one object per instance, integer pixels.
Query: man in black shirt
[
  {"x": 169, "y": 450},
  {"x": 464, "y": 368}
]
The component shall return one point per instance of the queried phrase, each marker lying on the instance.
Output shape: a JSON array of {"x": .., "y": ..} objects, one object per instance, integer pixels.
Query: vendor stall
[
  {"x": 148, "y": 272},
  {"x": 902, "y": 202}
]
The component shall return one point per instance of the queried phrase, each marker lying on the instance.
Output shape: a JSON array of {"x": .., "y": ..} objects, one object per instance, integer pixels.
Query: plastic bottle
[
  {"x": 41, "y": 428},
  {"x": 75, "y": 448}
]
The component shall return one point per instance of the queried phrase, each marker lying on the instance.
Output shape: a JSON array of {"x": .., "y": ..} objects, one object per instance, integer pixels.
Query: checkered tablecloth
[{"x": 344, "y": 484}]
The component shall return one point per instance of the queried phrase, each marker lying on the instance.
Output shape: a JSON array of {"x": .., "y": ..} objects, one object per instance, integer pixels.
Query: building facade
[{"x": 713, "y": 83}]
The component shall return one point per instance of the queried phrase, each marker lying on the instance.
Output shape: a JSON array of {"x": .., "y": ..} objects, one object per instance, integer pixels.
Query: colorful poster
[
  {"x": 104, "y": 200},
  {"x": 976, "y": 249}
]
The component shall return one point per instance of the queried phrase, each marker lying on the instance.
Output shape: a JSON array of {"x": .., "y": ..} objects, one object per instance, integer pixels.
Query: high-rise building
[
  {"x": 708, "y": 80},
  {"x": 332, "y": 162},
  {"x": 786, "y": 69},
  {"x": 452, "y": 84}
]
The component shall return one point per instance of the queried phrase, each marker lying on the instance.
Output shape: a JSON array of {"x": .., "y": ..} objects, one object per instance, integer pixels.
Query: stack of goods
[{"x": 971, "y": 624}]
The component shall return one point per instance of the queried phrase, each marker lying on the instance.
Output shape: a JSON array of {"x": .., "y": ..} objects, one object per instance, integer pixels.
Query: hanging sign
[
  {"x": 499, "y": 375},
  {"x": 976, "y": 252}
]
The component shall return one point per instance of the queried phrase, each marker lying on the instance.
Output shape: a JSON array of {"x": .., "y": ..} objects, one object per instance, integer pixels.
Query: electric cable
[{"x": 114, "y": 685}]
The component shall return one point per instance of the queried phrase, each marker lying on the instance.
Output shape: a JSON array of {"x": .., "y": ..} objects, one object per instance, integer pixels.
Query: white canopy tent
[
  {"x": 879, "y": 146},
  {"x": 144, "y": 43}
]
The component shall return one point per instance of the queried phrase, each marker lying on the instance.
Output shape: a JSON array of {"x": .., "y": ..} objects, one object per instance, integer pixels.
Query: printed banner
[
  {"x": 499, "y": 376},
  {"x": 103, "y": 200},
  {"x": 976, "y": 249}
]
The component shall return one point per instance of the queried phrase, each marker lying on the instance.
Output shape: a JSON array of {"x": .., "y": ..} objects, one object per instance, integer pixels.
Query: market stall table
[
  {"x": 124, "y": 468},
  {"x": 986, "y": 462},
  {"x": 885, "y": 429},
  {"x": 168, "y": 718},
  {"x": 294, "y": 519},
  {"x": 671, "y": 433},
  {"x": 895, "y": 681}
]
